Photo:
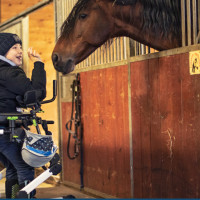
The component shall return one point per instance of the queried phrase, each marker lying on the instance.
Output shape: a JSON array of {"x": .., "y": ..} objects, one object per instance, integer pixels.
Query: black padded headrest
[{"x": 31, "y": 97}]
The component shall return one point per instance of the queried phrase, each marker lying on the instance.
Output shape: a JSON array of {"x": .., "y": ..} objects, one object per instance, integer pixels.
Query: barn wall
[
  {"x": 165, "y": 122},
  {"x": 41, "y": 36},
  {"x": 104, "y": 96},
  {"x": 10, "y": 8}
]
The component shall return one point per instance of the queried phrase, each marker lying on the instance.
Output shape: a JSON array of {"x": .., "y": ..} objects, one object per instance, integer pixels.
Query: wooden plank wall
[
  {"x": 104, "y": 95},
  {"x": 166, "y": 124},
  {"x": 42, "y": 38},
  {"x": 10, "y": 8},
  {"x": 70, "y": 167},
  {"x": 165, "y": 101}
]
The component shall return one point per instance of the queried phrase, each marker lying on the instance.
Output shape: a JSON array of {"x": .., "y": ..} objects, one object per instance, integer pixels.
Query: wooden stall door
[
  {"x": 104, "y": 101},
  {"x": 166, "y": 125}
]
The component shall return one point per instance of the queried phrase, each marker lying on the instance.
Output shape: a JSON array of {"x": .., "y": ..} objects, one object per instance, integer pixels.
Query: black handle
[
  {"x": 54, "y": 93},
  {"x": 54, "y": 88},
  {"x": 50, "y": 122}
]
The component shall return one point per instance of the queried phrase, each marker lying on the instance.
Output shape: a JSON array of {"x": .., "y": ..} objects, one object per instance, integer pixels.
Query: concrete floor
[{"x": 47, "y": 191}]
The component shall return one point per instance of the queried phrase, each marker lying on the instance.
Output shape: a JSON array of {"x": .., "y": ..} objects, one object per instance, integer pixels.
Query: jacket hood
[{"x": 5, "y": 62}]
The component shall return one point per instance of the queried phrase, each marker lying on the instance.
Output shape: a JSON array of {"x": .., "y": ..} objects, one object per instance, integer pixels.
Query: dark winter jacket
[{"x": 13, "y": 82}]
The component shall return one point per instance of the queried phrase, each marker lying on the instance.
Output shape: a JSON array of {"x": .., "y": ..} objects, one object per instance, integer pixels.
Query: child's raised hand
[{"x": 33, "y": 55}]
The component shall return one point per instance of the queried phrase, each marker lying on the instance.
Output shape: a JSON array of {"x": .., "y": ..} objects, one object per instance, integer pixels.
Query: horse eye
[{"x": 82, "y": 16}]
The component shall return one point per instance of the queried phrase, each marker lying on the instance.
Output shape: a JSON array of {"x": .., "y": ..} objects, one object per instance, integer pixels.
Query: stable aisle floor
[{"x": 46, "y": 191}]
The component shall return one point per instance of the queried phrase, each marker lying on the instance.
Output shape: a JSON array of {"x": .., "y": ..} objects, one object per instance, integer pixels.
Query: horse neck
[{"x": 128, "y": 22}]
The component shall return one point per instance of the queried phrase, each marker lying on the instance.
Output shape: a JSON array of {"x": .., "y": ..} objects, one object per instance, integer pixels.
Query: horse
[{"x": 156, "y": 23}]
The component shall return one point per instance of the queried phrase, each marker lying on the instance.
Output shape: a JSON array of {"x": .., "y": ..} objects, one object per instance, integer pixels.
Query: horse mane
[{"x": 163, "y": 16}]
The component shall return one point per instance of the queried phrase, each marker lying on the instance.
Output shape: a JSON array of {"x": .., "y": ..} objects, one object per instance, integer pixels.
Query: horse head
[
  {"x": 87, "y": 27},
  {"x": 92, "y": 22}
]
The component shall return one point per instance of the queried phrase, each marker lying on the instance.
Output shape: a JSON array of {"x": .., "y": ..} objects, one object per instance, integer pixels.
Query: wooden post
[
  {"x": 194, "y": 11},
  {"x": 183, "y": 22}
]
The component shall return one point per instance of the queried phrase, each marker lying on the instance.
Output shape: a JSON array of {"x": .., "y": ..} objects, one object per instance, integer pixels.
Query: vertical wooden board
[
  {"x": 180, "y": 121},
  {"x": 186, "y": 134},
  {"x": 90, "y": 117},
  {"x": 141, "y": 129},
  {"x": 170, "y": 113},
  {"x": 42, "y": 39},
  {"x": 137, "y": 147},
  {"x": 190, "y": 133},
  {"x": 196, "y": 173},
  {"x": 155, "y": 128},
  {"x": 165, "y": 104},
  {"x": 179, "y": 177},
  {"x": 71, "y": 168},
  {"x": 122, "y": 149},
  {"x": 106, "y": 130}
]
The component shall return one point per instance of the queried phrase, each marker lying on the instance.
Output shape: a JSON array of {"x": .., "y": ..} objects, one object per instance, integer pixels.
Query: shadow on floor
[
  {"x": 47, "y": 191},
  {"x": 60, "y": 191}
]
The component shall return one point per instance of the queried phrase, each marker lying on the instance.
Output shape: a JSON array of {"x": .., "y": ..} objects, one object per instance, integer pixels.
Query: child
[{"x": 13, "y": 82}]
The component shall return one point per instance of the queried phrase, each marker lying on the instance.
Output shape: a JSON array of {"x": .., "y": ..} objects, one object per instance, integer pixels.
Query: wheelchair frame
[{"x": 13, "y": 120}]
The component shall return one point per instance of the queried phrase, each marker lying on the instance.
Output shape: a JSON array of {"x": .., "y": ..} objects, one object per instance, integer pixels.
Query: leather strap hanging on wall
[{"x": 74, "y": 125}]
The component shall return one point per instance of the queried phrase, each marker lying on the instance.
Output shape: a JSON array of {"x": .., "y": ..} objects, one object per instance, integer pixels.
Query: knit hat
[{"x": 7, "y": 40}]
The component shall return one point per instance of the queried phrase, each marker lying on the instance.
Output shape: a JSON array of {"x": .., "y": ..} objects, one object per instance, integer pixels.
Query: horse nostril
[{"x": 55, "y": 58}]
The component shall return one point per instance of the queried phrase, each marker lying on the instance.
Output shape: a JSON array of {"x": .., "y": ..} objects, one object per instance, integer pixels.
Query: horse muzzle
[{"x": 61, "y": 66}]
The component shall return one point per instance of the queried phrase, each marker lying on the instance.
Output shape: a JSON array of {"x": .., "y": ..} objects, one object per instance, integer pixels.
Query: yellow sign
[{"x": 194, "y": 62}]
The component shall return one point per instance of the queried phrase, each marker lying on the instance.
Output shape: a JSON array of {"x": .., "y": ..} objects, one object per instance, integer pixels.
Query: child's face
[{"x": 15, "y": 54}]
